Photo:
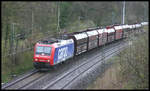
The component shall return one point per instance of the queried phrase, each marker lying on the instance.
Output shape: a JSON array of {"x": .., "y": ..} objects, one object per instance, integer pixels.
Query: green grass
[
  {"x": 139, "y": 55},
  {"x": 24, "y": 64}
]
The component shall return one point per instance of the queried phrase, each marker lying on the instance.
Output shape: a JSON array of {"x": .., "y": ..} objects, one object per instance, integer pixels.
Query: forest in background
[
  {"x": 31, "y": 21},
  {"x": 24, "y": 23}
]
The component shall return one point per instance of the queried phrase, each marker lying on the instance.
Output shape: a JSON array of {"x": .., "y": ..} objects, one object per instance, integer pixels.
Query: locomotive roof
[
  {"x": 48, "y": 41},
  {"x": 63, "y": 42}
]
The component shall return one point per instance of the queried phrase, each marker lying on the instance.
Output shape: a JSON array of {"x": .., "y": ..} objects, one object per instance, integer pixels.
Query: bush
[{"x": 134, "y": 63}]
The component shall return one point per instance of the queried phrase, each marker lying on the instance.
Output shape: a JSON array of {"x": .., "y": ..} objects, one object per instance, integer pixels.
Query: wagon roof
[
  {"x": 117, "y": 27},
  {"x": 102, "y": 30},
  {"x": 110, "y": 30},
  {"x": 138, "y": 25},
  {"x": 90, "y": 33},
  {"x": 80, "y": 36},
  {"x": 125, "y": 26}
]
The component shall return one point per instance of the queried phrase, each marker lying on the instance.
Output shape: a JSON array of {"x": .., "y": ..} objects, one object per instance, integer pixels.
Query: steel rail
[
  {"x": 31, "y": 81},
  {"x": 20, "y": 79},
  {"x": 7, "y": 85},
  {"x": 57, "y": 75},
  {"x": 64, "y": 75},
  {"x": 109, "y": 55}
]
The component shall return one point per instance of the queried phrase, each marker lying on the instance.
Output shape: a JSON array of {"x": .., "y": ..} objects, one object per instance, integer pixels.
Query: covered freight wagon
[
  {"x": 118, "y": 30},
  {"x": 126, "y": 30},
  {"x": 80, "y": 42},
  {"x": 111, "y": 35},
  {"x": 92, "y": 39},
  {"x": 102, "y": 36}
]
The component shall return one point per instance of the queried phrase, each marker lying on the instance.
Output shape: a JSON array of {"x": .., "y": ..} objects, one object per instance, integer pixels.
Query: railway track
[
  {"x": 77, "y": 72},
  {"x": 43, "y": 81},
  {"x": 24, "y": 80},
  {"x": 71, "y": 75},
  {"x": 56, "y": 80}
]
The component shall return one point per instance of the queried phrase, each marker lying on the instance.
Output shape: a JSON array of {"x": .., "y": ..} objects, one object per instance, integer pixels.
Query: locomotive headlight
[{"x": 36, "y": 59}]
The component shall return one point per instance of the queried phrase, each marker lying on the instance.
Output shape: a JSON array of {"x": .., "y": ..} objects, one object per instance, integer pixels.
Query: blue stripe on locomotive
[{"x": 63, "y": 52}]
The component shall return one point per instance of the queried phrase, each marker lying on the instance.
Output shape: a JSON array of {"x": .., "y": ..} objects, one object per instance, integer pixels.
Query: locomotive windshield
[{"x": 43, "y": 50}]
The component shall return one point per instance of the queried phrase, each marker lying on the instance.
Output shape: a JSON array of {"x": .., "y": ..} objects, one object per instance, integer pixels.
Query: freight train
[{"x": 50, "y": 52}]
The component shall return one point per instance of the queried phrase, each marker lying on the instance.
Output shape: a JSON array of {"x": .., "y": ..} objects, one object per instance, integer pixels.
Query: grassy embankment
[
  {"x": 24, "y": 64},
  {"x": 24, "y": 60},
  {"x": 129, "y": 69}
]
